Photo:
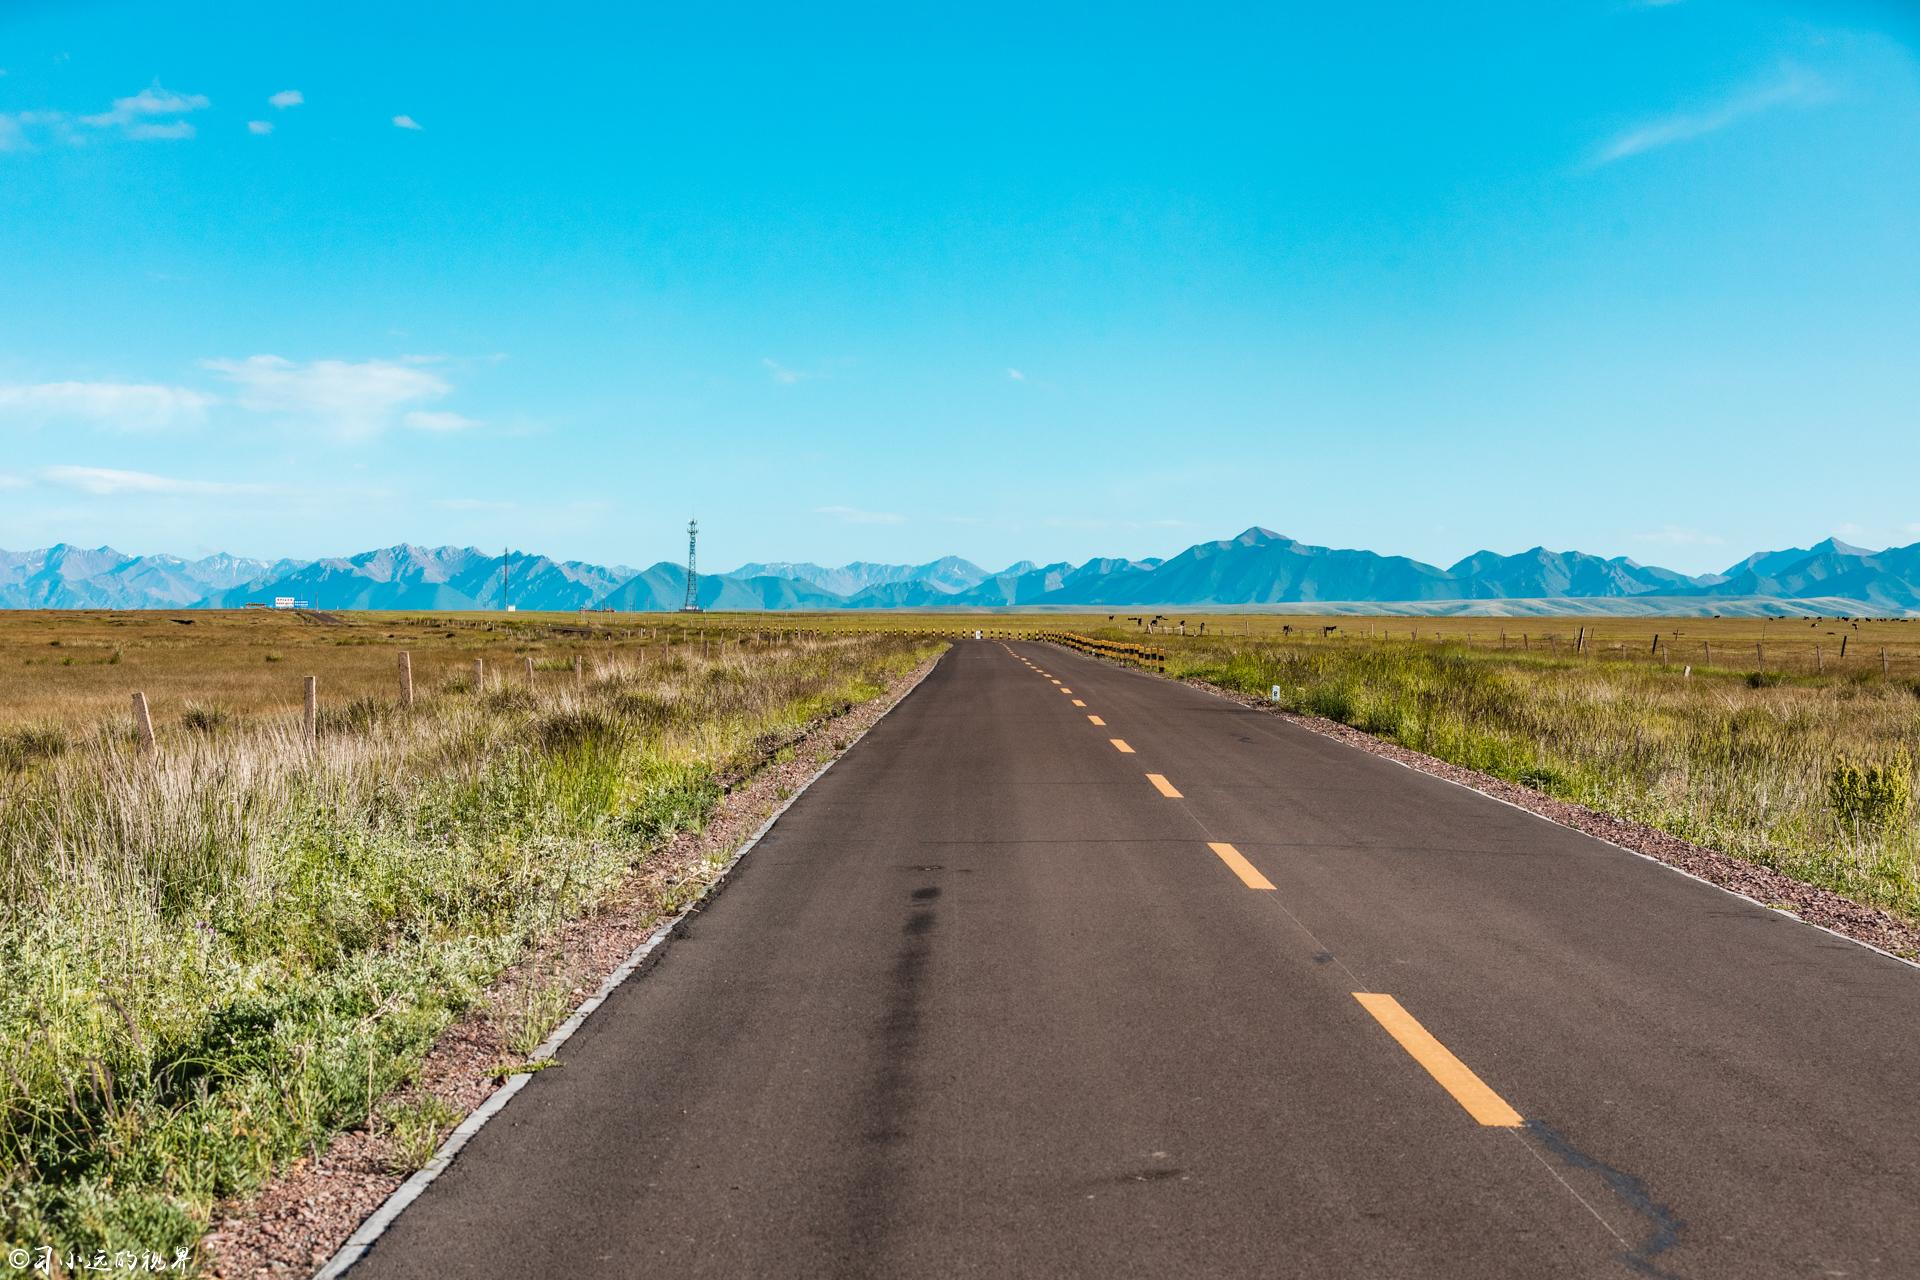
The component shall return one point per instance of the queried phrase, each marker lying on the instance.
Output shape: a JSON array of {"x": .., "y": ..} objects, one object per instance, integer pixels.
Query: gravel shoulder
[
  {"x": 293, "y": 1224},
  {"x": 1764, "y": 885}
]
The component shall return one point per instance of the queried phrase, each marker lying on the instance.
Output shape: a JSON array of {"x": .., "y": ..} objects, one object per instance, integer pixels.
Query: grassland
[{"x": 214, "y": 957}]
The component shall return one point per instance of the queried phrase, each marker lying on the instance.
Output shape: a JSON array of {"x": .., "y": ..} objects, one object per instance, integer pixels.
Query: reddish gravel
[
  {"x": 301, "y": 1218},
  {"x": 1763, "y": 884}
]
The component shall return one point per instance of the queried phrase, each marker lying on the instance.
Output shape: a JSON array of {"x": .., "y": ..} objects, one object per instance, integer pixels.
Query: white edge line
[
  {"x": 375, "y": 1225},
  {"x": 1519, "y": 808}
]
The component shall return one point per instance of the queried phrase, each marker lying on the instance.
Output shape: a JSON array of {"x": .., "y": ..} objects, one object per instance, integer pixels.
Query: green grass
[
  {"x": 1758, "y": 768},
  {"x": 212, "y": 962}
]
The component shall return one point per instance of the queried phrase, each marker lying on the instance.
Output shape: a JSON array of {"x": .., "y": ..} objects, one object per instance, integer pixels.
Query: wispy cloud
[
  {"x": 787, "y": 377},
  {"x": 407, "y": 122},
  {"x": 152, "y": 113},
  {"x": 438, "y": 420},
  {"x": 353, "y": 399},
  {"x": 472, "y": 504},
  {"x": 1016, "y": 375},
  {"x": 125, "y": 405},
  {"x": 1674, "y": 535},
  {"x": 260, "y": 126},
  {"x": 1794, "y": 87},
  {"x": 12, "y": 482},
  {"x": 854, "y": 515},
  {"x": 103, "y": 482},
  {"x": 287, "y": 98}
]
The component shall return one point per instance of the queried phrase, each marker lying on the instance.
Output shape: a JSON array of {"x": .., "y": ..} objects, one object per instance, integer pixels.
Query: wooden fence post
[
  {"x": 580, "y": 669},
  {"x": 1709, "y": 647},
  {"x": 1884, "y": 672},
  {"x": 406, "y": 679},
  {"x": 529, "y": 671},
  {"x": 479, "y": 675},
  {"x": 1819, "y": 660},
  {"x": 311, "y": 729},
  {"x": 143, "y": 724}
]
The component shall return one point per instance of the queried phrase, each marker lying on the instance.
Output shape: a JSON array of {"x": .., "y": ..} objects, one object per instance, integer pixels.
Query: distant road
[{"x": 1070, "y": 971}]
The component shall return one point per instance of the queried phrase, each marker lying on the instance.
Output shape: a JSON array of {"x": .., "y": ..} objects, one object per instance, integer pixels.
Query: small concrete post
[
  {"x": 580, "y": 669},
  {"x": 1884, "y": 672},
  {"x": 479, "y": 675},
  {"x": 1819, "y": 660},
  {"x": 143, "y": 724},
  {"x": 311, "y": 727},
  {"x": 406, "y": 679},
  {"x": 529, "y": 671}
]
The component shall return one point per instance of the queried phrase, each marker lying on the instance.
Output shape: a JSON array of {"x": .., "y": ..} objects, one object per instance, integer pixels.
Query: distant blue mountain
[{"x": 1256, "y": 568}]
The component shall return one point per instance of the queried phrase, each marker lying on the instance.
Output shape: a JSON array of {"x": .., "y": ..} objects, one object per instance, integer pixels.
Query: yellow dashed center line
[
  {"x": 1052, "y": 680},
  {"x": 1165, "y": 788},
  {"x": 1120, "y": 745},
  {"x": 1482, "y": 1103},
  {"x": 1248, "y": 873},
  {"x": 1064, "y": 689},
  {"x": 1078, "y": 703},
  {"x": 1096, "y": 720}
]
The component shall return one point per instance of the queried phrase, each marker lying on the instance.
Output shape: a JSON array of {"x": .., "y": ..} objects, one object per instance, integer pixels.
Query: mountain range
[{"x": 1257, "y": 568}]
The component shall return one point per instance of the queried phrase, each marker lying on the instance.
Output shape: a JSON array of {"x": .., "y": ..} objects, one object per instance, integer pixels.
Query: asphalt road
[{"x": 988, "y": 1002}]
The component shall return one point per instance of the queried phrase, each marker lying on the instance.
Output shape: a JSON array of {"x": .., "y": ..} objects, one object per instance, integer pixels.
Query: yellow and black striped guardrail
[{"x": 1138, "y": 655}]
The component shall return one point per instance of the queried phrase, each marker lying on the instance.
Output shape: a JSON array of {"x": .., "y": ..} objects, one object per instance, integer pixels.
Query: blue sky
[{"x": 894, "y": 281}]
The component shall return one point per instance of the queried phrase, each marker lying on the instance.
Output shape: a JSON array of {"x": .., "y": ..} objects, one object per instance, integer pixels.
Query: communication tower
[{"x": 693, "y": 578}]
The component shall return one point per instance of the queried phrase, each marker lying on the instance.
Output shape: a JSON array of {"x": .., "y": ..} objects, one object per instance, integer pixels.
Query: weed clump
[
  {"x": 22, "y": 747},
  {"x": 1871, "y": 797}
]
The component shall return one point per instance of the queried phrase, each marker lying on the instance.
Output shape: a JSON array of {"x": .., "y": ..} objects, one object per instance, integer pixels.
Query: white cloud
[
  {"x": 17, "y": 129},
  {"x": 151, "y": 114},
  {"x": 787, "y": 377},
  {"x": 287, "y": 98},
  {"x": 129, "y": 406},
  {"x": 1016, "y": 375},
  {"x": 260, "y": 126},
  {"x": 406, "y": 122},
  {"x": 102, "y": 482},
  {"x": 853, "y": 515},
  {"x": 1795, "y": 87},
  {"x": 11, "y": 482},
  {"x": 349, "y": 398},
  {"x": 438, "y": 420}
]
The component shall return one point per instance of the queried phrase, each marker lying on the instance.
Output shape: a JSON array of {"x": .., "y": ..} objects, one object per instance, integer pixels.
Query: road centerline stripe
[
  {"x": 1078, "y": 703},
  {"x": 1453, "y": 1075},
  {"x": 1248, "y": 873},
  {"x": 1120, "y": 745},
  {"x": 1165, "y": 788},
  {"x": 1097, "y": 720}
]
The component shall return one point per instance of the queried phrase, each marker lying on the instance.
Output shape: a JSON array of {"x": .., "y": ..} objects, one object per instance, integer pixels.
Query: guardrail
[{"x": 1138, "y": 655}]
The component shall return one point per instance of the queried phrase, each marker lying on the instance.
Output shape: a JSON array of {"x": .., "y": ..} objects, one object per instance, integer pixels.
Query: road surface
[{"x": 1066, "y": 970}]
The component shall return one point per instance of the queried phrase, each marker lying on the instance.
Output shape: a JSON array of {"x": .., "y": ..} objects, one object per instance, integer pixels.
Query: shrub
[
  {"x": 210, "y": 718},
  {"x": 22, "y": 747},
  {"x": 1872, "y": 797}
]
